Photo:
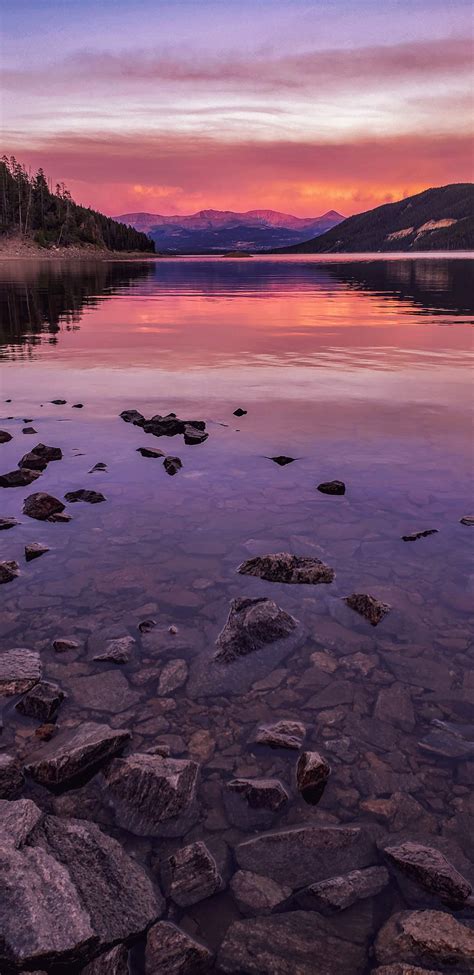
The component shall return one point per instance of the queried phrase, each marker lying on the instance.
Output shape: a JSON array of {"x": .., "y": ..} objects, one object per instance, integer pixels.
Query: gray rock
[
  {"x": 173, "y": 676},
  {"x": 113, "y": 962},
  {"x": 431, "y": 870},
  {"x": 34, "y": 550},
  {"x": 250, "y": 626},
  {"x": 284, "y": 734},
  {"x": 42, "y": 701},
  {"x": 296, "y": 856},
  {"x": 20, "y": 670},
  {"x": 312, "y": 773},
  {"x": 5, "y": 437},
  {"x": 150, "y": 452},
  {"x": 19, "y": 478},
  {"x": 338, "y": 893},
  {"x": 90, "y": 497},
  {"x": 169, "y": 951},
  {"x": 298, "y": 943},
  {"x": 292, "y": 569},
  {"x": 332, "y": 487},
  {"x": 117, "y": 651},
  {"x": 11, "y": 776},
  {"x": 190, "y": 875},
  {"x": 6, "y": 523},
  {"x": 153, "y": 796},
  {"x": 467, "y": 520},
  {"x": 172, "y": 465},
  {"x": 369, "y": 607},
  {"x": 75, "y": 752},
  {"x": 251, "y": 803},
  {"x": 42, "y": 506},
  {"x": 133, "y": 416},
  {"x": 108, "y": 691},
  {"x": 9, "y": 571},
  {"x": 426, "y": 938},
  {"x": 256, "y": 895},
  {"x": 414, "y": 536}
]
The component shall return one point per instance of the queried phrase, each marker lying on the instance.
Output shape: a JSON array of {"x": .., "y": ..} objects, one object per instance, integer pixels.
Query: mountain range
[
  {"x": 441, "y": 218},
  {"x": 217, "y": 231}
]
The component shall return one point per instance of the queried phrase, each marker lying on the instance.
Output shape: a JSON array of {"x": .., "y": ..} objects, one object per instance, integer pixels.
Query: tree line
[{"x": 29, "y": 207}]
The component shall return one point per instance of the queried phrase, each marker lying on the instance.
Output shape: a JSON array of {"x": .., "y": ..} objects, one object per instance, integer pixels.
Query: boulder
[
  {"x": 296, "y": 856},
  {"x": 251, "y": 803},
  {"x": 5, "y": 437},
  {"x": 90, "y": 497},
  {"x": 431, "y": 870},
  {"x": 18, "y": 478},
  {"x": 173, "y": 676},
  {"x": 117, "y": 651},
  {"x": 297, "y": 943},
  {"x": 414, "y": 536},
  {"x": 284, "y": 734},
  {"x": 338, "y": 893},
  {"x": 9, "y": 571},
  {"x": 42, "y": 701},
  {"x": 150, "y": 452},
  {"x": 431, "y": 939},
  {"x": 20, "y": 670},
  {"x": 133, "y": 416},
  {"x": 11, "y": 776},
  {"x": 170, "y": 951},
  {"x": 42, "y": 506},
  {"x": 152, "y": 795},
  {"x": 33, "y": 462},
  {"x": 256, "y": 895},
  {"x": 284, "y": 567},
  {"x": 190, "y": 875},
  {"x": 332, "y": 487},
  {"x": 6, "y": 523},
  {"x": 172, "y": 465},
  {"x": 369, "y": 607},
  {"x": 75, "y": 752},
  {"x": 251, "y": 625},
  {"x": 312, "y": 773},
  {"x": 34, "y": 550},
  {"x": 113, "y": 962},
  {"x": 192, "y": 435}
]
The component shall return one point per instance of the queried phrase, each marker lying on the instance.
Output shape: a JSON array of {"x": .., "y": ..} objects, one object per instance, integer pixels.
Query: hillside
[
  {"x": 215, "y": 231},
  {"x": 31, "y": 211},
  {"x": 437, "y": 219}
]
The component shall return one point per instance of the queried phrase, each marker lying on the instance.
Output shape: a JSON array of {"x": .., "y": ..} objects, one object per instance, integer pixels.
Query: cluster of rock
[
  {"x": 193, "y": 431},
  {"x": 31, "y": 466}
]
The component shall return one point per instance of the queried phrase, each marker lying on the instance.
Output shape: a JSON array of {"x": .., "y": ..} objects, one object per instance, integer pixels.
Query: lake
[{"x": 357, "y": 370}]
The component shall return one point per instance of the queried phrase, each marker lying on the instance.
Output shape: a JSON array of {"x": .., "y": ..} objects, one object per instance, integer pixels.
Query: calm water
[{"x": 359, "y": 370}]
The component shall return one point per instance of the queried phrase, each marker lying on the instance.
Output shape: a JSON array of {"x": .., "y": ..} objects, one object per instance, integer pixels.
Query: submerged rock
[
  {"x": 296, "y": 856},
  {"x": 431, "y": 870},
  {"x": 153, "y": 796},
  {"x": 251, "y": 803},
  {"x": 100, "y": 466},
  {"x": 6, "y": 523},
  {"x": 283, "y": 567},
  {"x": 20, "y": 670},
  {"x": 11, "y": 778},
  {"x": 251, "y": 625},
  {"x": 61, "y": 645},
  {"x": 170, "y": 951},
  {"x": 34, "y": 550},
  {"x": 133, "y": 416},
  {"x": 369, "y": 607},
  {"x": 42, "y": 506},
  {"x": 467, "y": 520},
  {"x": 338, "y": 893},
  {"x": 145, "y": 626},
  {"x": 74, "y": 752},
  {"x": 19, "y": 478},
  {"x": 5, "y": 437},
  {"x": 256, "y": 895},
  {"x": 9, "y": 571},
  {"x": 113, "y": 962},
  {"x": 312, "y": 773},
  {"x": 42, "y": 701},
  {"x": 422, "y": 534},
  {"x": 91, "y": 497},
  {"x": 118, "y": 650},
  {"x": 443, "y": 740},
  {"x": 332, "y": 487},
  {"x": 190, "y": 875},
  {"x": 284, "y": 734},
  {"x": 426, "y": 938},
  {"x": 172, "y": 465},
  {"x": 173, "y": 676},
  {"x": 150, "y": 452}
]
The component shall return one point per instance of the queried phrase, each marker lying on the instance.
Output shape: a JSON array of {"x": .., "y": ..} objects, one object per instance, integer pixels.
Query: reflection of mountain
[{"x": 37, "y": 298}]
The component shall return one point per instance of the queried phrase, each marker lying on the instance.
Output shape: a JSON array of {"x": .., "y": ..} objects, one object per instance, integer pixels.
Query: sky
[{"x": 172, "y": 106}]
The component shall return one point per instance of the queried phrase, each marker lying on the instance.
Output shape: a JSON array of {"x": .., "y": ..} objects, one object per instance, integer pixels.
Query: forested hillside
[{"x": 29, "y": 207}]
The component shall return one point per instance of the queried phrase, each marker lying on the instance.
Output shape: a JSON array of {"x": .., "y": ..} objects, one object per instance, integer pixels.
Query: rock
[
  {"x": 133, "y": 416},
  {"x": 20, "y": 670},
  {"x": 240, "y": 412},
  {"x": 256, "y": 895},
  {"x": 251, "y": 625},
  {"x": 281, "y": 460},
  {"x": 297, "y": 943},
  {"x": 9, "y": 571},
  {"x": 78, "y": 406},
  {"x": 33, "y": 462},
  {"x": 431, "y": 870},
  {"x": 28, "y": 430},
  {"x": 400, "y": 968},
  {"x": 426, "y": 938},
  {"x": 164, "y": 426},
  {"x": 40, "y": 456},
  {"x": 45, "y": 731},
  {"x": 34, "y": 550},
  {"x": 91, "y": 497},
  {"x": 284, "y": 734},
  {"x": 11, "y": 777},
  {"x": 75, "y": 752},
  {"x": 338, "y": 893},
  {"x": 61, "y": 645},
  {"x": 284, "y": 567},
  {"x": 441, "y": 741},
  {"x": 251, "y": 803},
  {"x": 170, "y": 951},
  {"x": 192, "y": 435},
  {"x": 18, "y": 478},
  {"x": 312, "y": 773},
  {"x": 394, "y": 705},
  {"x": 70, "y": 890},
  {"x": 107, "y": 691},
  {"x": 146, "y": 626},
  {"x": 416, "y": 535},
  {"x": 372, "y": 609},
  {"x": 296, "y": 856},
  {"x": 173, "y": 675},
  {"x": 100, "y": 466},
  {"x": 60, "y": 517},
  {"x": 117, "y": 651},
  {"x": 150, "y": 452},
  {"x": 6, "y": 523},
  {"x": 153, "y": 796},
  {"x": 42, "y": 701},
  {"x": 332, "y": 487},
  {"x": 42, "y": 506},
  {"x": 467, "y": 520},
  {"x": 172, "y": 465},
  {"x": 5, "y": 437},
  {"x": 113, "y": 962},
  {"x": 190, "y": 875},
  {"x": 58, "y": 402}
]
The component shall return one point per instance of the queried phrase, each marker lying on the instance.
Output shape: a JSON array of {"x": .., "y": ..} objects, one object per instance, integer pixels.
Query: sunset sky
[{"x": 172, "y": 106}]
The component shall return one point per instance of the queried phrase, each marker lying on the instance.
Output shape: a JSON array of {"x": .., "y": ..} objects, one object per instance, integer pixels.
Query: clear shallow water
[{"x": 362, "y": 371}]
